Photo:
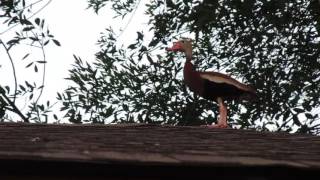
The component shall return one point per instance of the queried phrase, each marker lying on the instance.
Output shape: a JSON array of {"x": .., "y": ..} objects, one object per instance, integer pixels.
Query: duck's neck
[
  {"x": 188, "y": 66},
  {"x": 192, "y": 77},
  {"x": 188, "y": 54}
]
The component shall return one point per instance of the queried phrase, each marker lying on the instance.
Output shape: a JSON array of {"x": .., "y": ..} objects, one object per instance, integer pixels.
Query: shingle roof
[{"x": 156, "y": 145}]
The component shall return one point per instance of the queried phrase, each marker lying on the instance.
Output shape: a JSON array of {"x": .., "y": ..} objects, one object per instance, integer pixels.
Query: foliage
[
  {"x": 270, "y": 44},
  {"x": 16, "y": 14}
]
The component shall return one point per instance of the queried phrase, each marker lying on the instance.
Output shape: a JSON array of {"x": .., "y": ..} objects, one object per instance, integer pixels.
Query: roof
[{"x": 143, "y": 149}]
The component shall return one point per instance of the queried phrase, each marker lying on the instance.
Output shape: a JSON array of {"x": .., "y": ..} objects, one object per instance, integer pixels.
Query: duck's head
[{"x": 183, "y": 45}]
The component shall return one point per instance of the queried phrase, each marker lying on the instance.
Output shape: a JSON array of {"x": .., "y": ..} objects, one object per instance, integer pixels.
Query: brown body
[{"x": 211, "y": 85}]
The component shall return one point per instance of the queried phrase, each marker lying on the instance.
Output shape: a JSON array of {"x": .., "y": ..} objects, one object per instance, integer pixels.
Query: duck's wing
[{"x": 223, "y": 78}]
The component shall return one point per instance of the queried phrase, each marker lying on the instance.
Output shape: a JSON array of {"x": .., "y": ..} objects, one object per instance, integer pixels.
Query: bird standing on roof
[{"x": 211, "y": 85}]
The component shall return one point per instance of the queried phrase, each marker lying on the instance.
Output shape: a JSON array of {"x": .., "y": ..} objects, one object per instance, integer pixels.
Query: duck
[{"x": 213, "y": 86}]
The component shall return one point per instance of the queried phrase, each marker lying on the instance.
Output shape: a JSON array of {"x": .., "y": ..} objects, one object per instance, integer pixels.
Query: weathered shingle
[{"x": 163, "y": 146}]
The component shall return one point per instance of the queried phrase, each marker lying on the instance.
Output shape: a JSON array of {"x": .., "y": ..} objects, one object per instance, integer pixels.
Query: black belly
[{"x": 213, "y": 90}]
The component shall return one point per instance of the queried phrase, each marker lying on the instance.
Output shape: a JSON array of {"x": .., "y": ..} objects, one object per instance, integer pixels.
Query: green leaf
[
  {"x": 125, "y": 107},
  {"x": 140, "y": 36},
  {"x": 296, "y": 120},
  {"x": 286, "y": 114},
  {"x": 46, "y": 43},
  {"x": 309, "y": 116},
  {"x": 59, "y": 96},
  {"x": 41, "y": 107},
  {"x": 42, "y": 62},
  {"x": 115, "y": 102},
  {"x": 150, "y": 59},
  {"x": 132, "y": 46},
  {"x": 34, "y": 38},
  {"x": 22, "y": 88},
  {"x": 31, "y": 96},
  {"x": 2, "y": 112},
  {"x": 56, "y": 42},
  {"x": 109, "y": 112},
  {"x": 143, "y": 49},
  {"x": 35, "y": 68},
  {"x": 29, "y": 65},
  {"x": 64, "y": 108},
  {"x": 28, "y": 28},
  {"x": 42, "y": 23},
  {"x": 2, "y": 91},
  {"x": 298, "y": 110},
  {"x": 13, "y": 41},
  {"x": 28, "y": 85},
  {"x": 7, "y": 88},
  {"x": 25, "y": 22},
  {"x": 307, "y": 106},
  {"x": 37, "y": 21},
  {"x": 25, "y": 56},
  {"x": 153, "y": 42}
]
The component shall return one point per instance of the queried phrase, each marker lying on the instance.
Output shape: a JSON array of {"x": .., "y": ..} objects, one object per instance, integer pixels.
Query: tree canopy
[{"x": 272, "y": 45}]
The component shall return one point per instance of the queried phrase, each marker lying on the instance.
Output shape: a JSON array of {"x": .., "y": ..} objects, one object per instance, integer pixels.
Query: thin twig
[
  {"x": 43, "y": 76},
  {"x": 130, "y": 19}
]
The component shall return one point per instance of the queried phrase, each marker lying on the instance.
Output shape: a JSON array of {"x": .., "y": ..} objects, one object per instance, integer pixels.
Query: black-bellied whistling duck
[{"x": 211, "y": 85}]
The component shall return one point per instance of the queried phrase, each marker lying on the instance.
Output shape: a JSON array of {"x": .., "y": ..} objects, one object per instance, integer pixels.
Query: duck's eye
[{"x": 182, "y": 41}]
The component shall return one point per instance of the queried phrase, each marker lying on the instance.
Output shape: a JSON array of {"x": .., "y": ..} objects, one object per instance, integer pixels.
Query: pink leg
[{"x": 222, "y": 121}]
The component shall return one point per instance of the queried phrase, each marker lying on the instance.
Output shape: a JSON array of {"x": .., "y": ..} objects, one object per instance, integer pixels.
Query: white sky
[{"x": 77, "y": 29}]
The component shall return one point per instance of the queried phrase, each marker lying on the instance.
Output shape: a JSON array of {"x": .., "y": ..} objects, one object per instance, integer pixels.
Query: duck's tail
[{"x": 250, "y": 95}]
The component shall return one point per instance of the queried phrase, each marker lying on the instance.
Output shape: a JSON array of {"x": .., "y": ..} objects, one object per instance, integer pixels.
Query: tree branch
[
  {"x": 43, "y": 79},
  {"x": 13, "y": 69},
  {"x": 14, "y": 107}
]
